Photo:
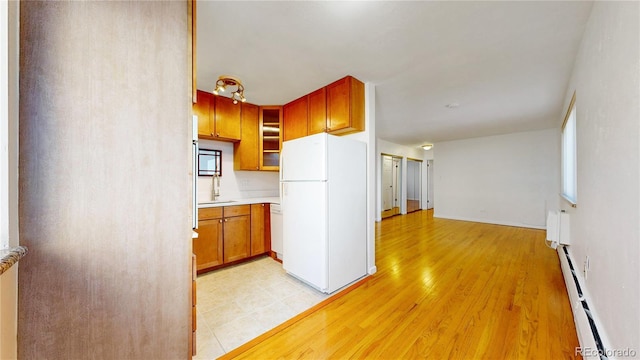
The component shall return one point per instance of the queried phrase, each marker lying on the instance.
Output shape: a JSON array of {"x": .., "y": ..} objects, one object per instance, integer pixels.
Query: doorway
[
  {"x": 414, "y": 185},
  {"x": 430, "y": 202},
  {"x": 391, "y": 185}
]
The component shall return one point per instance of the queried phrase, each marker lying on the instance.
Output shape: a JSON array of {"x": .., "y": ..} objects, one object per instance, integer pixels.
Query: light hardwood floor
[
  {"x": 444, "y": 290},
  {"x": 413, "y": 205}
]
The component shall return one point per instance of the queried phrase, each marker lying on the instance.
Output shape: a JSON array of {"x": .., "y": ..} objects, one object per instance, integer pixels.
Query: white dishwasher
[{"x": 276, "y": 230}]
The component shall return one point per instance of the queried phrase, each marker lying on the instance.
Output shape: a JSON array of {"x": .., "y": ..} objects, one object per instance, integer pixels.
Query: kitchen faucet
[{"x": 215, "y": 188}]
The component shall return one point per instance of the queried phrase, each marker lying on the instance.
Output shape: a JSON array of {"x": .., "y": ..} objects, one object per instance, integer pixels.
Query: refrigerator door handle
[{"x": 281, "y": 162}]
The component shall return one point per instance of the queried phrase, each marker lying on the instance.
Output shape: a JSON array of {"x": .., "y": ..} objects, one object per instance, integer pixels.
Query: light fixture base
[{"x": 224, "y": 82}]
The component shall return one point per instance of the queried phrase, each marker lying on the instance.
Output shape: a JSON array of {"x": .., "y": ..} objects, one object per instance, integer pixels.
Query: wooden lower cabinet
[
  {"x": 230, "y": 234},
  {"x": 194, "y": 325},
  {"x": 237, "y": 237},
  {"x": 260, "y": 229},
  {"x": 208, "y": 245}
]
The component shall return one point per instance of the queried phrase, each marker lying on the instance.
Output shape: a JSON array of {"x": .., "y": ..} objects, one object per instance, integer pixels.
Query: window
[
  {"x": 209, "y": 162},
  {"x": 569, "y": 156}
]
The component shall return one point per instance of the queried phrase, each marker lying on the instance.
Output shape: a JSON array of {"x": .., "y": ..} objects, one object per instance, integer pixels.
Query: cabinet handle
[
  {"x": 218, "y": 134},
  {"x": 257, "y": 167},
  {"x": 220, "y": 221},
  {"x": 225, "y": 220}
]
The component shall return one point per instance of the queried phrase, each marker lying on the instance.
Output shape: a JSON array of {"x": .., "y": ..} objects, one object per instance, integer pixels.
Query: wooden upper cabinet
[
  {"x": 345, "y": 106},
  {"x": 227, "y": 118},
  {"x": 202, "y": 108},
  {"x": 259, "y": 148},
  {"x": 294, "y": 119},
  {"x": 218, "y": 117},
  {"x": 246, "y": 153},
  {"x": 317, "y": 112}
]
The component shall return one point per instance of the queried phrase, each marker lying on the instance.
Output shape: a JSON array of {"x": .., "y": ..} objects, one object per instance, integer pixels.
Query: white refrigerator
[{"x": 324, "y": 210}]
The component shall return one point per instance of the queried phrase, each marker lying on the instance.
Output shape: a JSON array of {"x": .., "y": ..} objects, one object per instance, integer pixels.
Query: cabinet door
[
  {"x": 345, "y": 106},
  {"x": 208, "y": 245},
  {"x": 294, "y": 119},
  {"x": 227, "y": 119},
  {"x": 202, "y": 108},
  {"x": 237, "y": 238},
  {"x": 246, "y": 152},
  {"x": 259, "y": 217},
  {"x": 317, "y": 111}
]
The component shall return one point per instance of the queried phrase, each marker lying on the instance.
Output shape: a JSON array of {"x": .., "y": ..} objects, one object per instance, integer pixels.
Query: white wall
[
  {"x": 236, "y": 184},
  {"x": 507, "y": 179},
  {"x": 604, "y": 226}
]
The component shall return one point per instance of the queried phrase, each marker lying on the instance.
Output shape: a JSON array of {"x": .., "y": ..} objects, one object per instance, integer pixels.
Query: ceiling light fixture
[
  {"x": 225, "y": 82},
  {"x": 427, "y": 146}
]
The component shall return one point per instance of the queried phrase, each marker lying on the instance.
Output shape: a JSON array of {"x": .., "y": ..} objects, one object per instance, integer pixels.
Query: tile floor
[{"x": 238, "y": 303}]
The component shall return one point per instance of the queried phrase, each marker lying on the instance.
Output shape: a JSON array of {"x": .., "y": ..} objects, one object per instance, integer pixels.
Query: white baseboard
[{"x": 489, "y": 221}]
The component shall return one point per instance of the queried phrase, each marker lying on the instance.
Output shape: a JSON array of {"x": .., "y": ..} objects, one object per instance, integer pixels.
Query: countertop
[
  {"x": 232, "y": 202},
  {"x": 8, "y": 257}
]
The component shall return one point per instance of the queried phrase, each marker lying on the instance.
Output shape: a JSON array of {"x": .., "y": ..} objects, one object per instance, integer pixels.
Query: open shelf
[{"x": 271, "y": 120}]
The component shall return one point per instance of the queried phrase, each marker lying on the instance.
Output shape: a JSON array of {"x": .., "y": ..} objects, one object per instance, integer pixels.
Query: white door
[
  {"x": 414, "y": 185},
  {"x": 397, "y": 181},
  {"x": 387, "y": 182},
  {"x": 430, "y": 202}
]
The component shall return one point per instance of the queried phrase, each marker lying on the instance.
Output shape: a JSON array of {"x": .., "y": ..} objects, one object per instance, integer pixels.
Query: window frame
[{"x": 569, "y": 154}]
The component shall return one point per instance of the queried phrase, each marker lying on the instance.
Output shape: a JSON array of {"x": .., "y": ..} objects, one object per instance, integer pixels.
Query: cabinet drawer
[
  {"x": 237, "y": 210},
  {"x": 210, "y": 213}
]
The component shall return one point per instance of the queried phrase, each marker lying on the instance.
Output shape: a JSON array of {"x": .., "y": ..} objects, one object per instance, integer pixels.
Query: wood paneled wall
[{"x": 105, "y": 95}]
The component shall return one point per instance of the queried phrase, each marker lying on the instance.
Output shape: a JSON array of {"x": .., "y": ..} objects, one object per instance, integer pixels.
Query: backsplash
[{"x": 236, "y": 184}]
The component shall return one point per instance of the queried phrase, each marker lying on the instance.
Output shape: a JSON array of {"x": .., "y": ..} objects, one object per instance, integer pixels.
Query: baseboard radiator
[{"x": 591, "y": 343}]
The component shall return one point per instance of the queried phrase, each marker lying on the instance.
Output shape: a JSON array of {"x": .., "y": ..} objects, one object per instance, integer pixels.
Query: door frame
[
  {"x": 417, "y": 185},
  {"x": 399, "y": 205}
]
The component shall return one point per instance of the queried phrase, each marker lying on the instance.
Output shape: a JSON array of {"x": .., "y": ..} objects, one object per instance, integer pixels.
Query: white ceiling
[{"x": 507, "y": 64}]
